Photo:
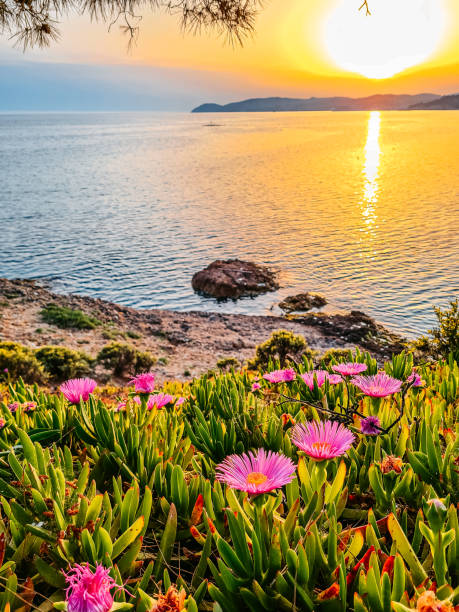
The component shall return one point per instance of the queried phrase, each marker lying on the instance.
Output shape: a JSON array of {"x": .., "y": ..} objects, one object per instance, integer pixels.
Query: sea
[{"x": 362, "y": 207}]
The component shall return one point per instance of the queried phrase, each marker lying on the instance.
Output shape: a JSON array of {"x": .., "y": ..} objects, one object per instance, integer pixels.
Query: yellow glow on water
[{"x": 371, "y": 165}]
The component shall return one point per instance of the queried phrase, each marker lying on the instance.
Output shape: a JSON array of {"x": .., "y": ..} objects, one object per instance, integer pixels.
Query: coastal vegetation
[{"x": 294, "y": 488}]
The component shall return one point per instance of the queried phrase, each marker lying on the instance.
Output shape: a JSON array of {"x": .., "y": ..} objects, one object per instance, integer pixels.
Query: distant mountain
[
  {"x": 443, "y": 103},
  {"x": 377, "y": 102}
]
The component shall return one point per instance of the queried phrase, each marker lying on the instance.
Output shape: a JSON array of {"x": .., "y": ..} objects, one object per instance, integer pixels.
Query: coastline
[{"x": 186, "y": 344}]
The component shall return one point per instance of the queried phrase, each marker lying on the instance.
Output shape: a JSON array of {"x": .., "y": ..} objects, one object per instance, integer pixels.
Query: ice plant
[
  {"x": 370, "y": 426},
  {"x": 334, "y": 379},
  {"x": 322, "y": 440},
  {"x": 256, "y": 386},
  {"x": 349, "y": 368},
  {"x": 158, "y": 400},
  {"x": 320, "y": 375},
  {"x": 143, "y": 383},
  {"x": 13, "y": 407},
  {"x": 89, "y": 591},
  {"x": 279, "y": 376},
  {"x": 77, "y": 389},
  {"x": 391, "y": 463},
  {"x": 172, "y": 601},
  {"x": 415, "y": 379},
  {"x": 120, "y": 407},
  {"x": 180, "y": 401},
  {"x": 2, "y": 423},
  {"x": 379, "y": 385},
  {"x": 257, "y": 472},
  {"x": 428, "y": 602}
]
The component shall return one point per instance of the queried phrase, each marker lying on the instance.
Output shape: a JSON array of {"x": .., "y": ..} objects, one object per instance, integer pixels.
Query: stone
[
  {"x": 234, "y": 278},
  {"x": 302, "y": 302}
]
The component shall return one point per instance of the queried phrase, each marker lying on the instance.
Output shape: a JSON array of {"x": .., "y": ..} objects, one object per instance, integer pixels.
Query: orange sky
[{"x": 318, "y": 41}]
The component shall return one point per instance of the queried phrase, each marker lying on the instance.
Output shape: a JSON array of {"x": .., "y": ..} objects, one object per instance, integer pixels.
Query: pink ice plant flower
[
  {"x": 13, "y": 407},
  {"x": 321, "y": 377},
  {"x": 349, "y": 368},
  {"x": 143, "y": 383},
  {"x": 257, "y": 472},
  {"x": 159, "y": 400},
  {"x": 180, "y": 401},
  {"x": 415, "y": 379},
  {"x": 370, "y": 426},
  {"x": 322, "y": 440},
  {"x": 256, "y": 386},
  {"x": 279, "y": 376},
  {"x": 89, "y": 591},
  {"x": 77, "y": 389},
  {"x": 379, "y": 385}
]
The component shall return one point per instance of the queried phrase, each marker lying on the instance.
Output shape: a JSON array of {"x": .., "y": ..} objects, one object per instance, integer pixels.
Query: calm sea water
[{"x": 363, "y": 207}]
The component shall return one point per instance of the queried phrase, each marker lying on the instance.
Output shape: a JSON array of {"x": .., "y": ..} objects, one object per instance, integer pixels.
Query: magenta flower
[
  {"x": 77, "y": 389},
  {"x": 256, "y": 386},
  {"x": 279, "y": 376},
  {"x": 180, "y": 401},
  {"x": 379, "y": 385},
  {"x": 349, "y": 368},
  {"x": 415, "y": 379},
  {"x": 159, "y": 400},
  {"x": 321, "y": 376},
  {"x": 257, "y": 472},
  {"x": 29, "y": 406},
  {"x": 120, "y": 407},
  {"x": 322, "y": 440},
  {"x": 88, "y": 591},
  {"x": 144, "y": 383},
  {"x": 13, "y": 407},
  {"x": 369, "y": 426}
]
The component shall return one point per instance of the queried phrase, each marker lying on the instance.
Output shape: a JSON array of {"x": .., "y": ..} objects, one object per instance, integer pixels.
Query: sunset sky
[{"x": 300, "y": 47}]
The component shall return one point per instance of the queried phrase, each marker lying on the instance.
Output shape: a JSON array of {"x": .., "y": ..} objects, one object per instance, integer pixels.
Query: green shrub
[
  {"x": 282, "y": 345},
  {"x": 19, "y": 361},
  {"x": 125, "y": 359},
  {"x": 226, "y": 363},
  {"x": 335, "y": 355},
  {"x": 442, "y": 340},
  {"x": 63, "y": 363},
  {"x": 64, "y": 317}
]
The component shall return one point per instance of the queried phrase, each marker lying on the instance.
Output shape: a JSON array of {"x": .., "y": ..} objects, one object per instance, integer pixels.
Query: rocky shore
[{"x": 185, "y": 343}]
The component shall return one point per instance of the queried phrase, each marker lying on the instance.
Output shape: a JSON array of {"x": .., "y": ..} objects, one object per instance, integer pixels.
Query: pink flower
[
  {"x": 415, "y": 379},
  {"x": 379, "y": 385},
  {"x": 370, "y": 426},
  {"x": 88, "y": 591},
  {"x": 279, "y": 376},
  {"x": 321, "y": 376},
  {"x": 350, "y": 368},
  {"x": 77, "y": 389},
  {"x": 29, "y": 406},
  {"x": 121, "y": 406},
  {"x": 256, "y": 386},
  {"x": 334, "y": 379},
  {"x": 180, "y": 401},
  {"x": 159, "y": 400},
  {"x": 2, "y": 423},
  {"x": 256, "y": 473},
  {"x": 322, "y": 440},
  {"x": 13, "y": 407},
  {"x": 144, "y": 383}
]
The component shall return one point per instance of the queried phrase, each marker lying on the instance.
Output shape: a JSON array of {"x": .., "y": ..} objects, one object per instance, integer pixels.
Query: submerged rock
[
  {"x": 302, "y": 302},
  {"x": 234, "y": 278}
]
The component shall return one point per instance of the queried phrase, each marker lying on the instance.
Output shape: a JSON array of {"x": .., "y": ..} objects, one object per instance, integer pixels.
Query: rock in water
[
  {"x": 302, "y": 302},
  {"x": 233, "y": 278}
]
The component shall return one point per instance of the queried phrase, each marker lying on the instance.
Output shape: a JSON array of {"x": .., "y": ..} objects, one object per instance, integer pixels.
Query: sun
[{"x": 397, "y": 35}]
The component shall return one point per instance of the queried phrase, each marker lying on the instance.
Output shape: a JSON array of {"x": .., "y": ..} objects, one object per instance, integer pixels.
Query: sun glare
[{"x": 397, "y": 35}]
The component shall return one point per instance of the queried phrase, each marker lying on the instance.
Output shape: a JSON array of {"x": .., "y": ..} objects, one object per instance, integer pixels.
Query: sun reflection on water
[{"x": 371, "y": 169}]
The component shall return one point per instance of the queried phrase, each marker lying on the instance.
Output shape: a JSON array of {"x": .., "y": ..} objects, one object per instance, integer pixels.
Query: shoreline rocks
[
  {"x": 186, "y": 344},
  {"x": 302, "y": 302},
  {"x": 234, "y": 278}
]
